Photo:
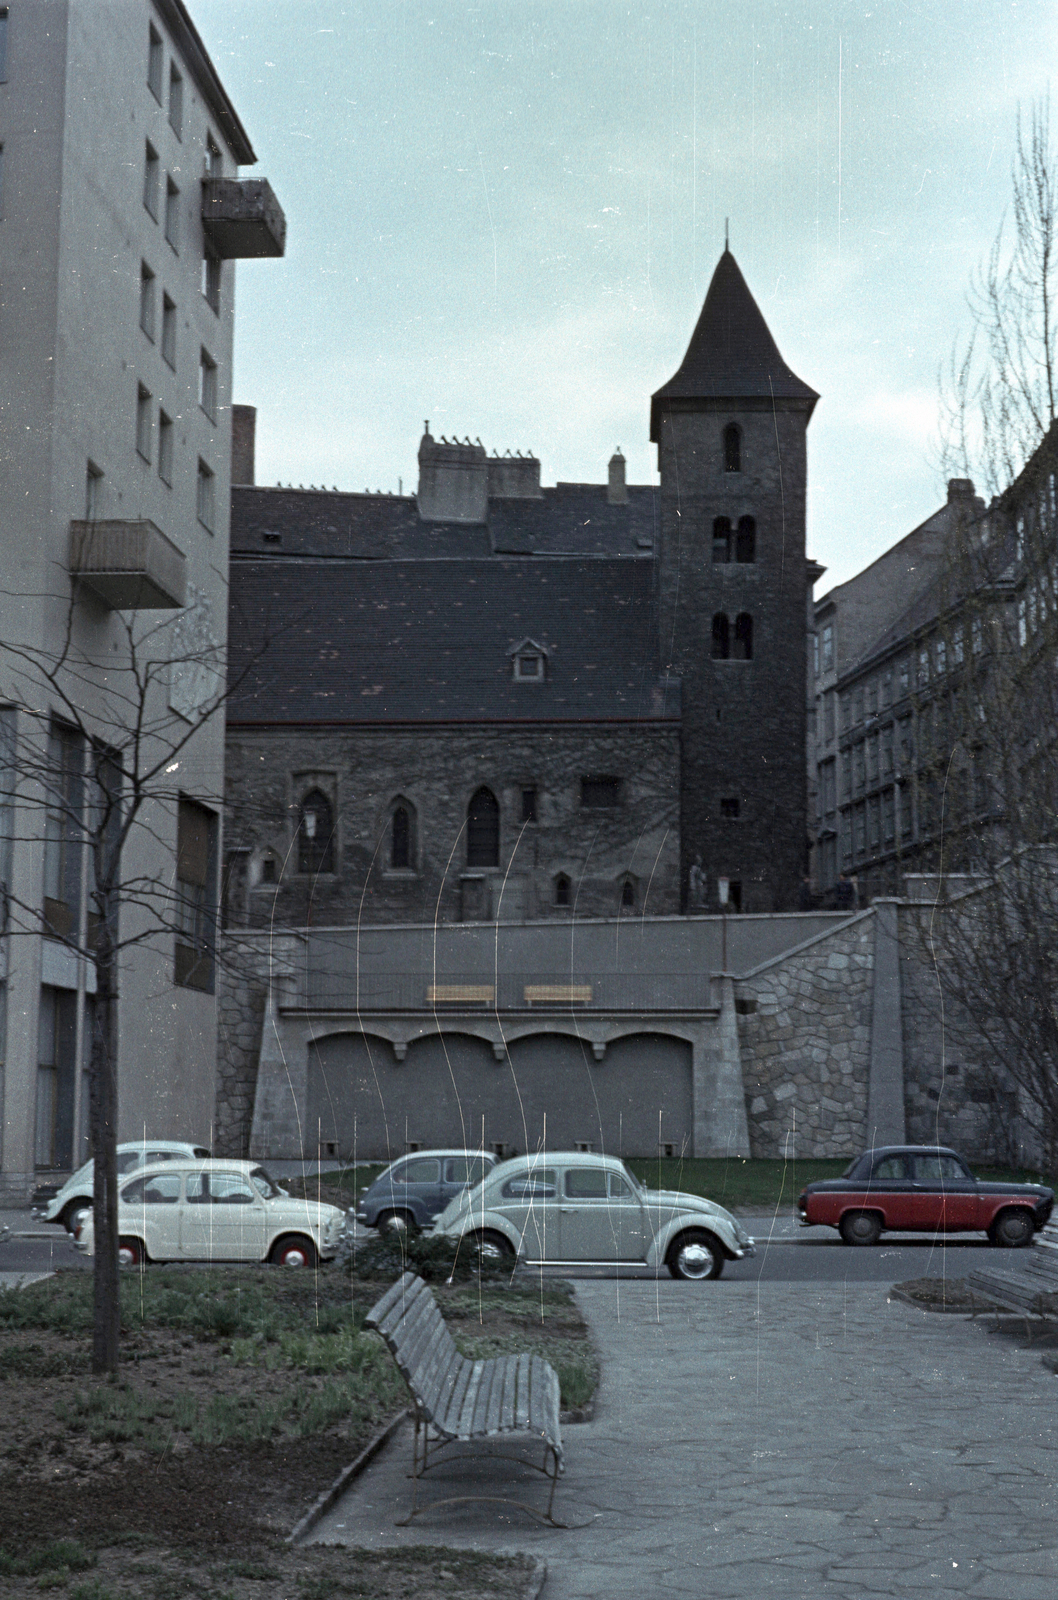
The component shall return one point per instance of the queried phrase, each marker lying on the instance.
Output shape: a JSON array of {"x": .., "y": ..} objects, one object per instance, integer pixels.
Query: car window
[
  {"x": 890, "y": 1169},
  {"x": 127, "y": 1159},
  {"x": 424, "y": 1171},
  {"x": 230, "y": 1188},
  {"x": 160, "y": 1189},
  {"x": 465, "y": 1169},
  {"x": 540, "y": 1185},
  {"x": 264, "y": 1184},
  {"x": 154, "y": 1156},
  {"x": 586, "y": 1183},
  {"x": 619, "y": 1188},
  {"x": 939, "y": 1169},
  {"x": 197, "y": 1188},
  {"x": 200, "y": 1154}
]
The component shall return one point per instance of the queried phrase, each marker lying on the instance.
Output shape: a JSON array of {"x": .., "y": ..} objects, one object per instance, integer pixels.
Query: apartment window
[
  {"x": 815, "y": 654},
  {"x": 93, "y": 491},
  {"x": 211, "y": 280},
  {"x": 872, "y": 758},
  {"x": 872, "y": 699},
  {"x": 598, "y": 792},
  {"x": 204, "y": 496},
  {"x": 143, "y": 422},
  {"x": 3, "y": 43},
  {"x": 207, "y": 384},
  {"x": 874, "y": 837},
  {"x": 859, "y": 765},
  {"x": 888, "y": 817},
  {"x": 154, "y": 62},
  {"x": 176, "y": 100},
  {"x": 165, "y": 447},
  {"x": 828, "y": 714},
  {"x": 147, "y": 300},
  {"x": 721, "y": 539},
  {"x": 529, "y": 805},
  {"x": 730, "y": 808},
  {"x": 887, "y": 751},
  {"x": 172, "y": 213},
  {"x": 743, "y": 645},
  {"x": 942, "y": 656},
  {"x": 721, "y": 648},
  {"x": 56, "y": 1078},
  {"x": 905, "y": 675},
  {"x": 169, "y": 331},
  {"x": 151, "y": 176},
  {"x": 887, "y": 689},
  {"x": 828, "y": 646},
  {"x": 958, "y": 649},
  {"x": 196, "y": 847},
  {"x": 828, "y": 785},
  {"x": 64, "y": 789},
  {"x": 628, "y": 895},
  {"x": 214, "y": 159}
]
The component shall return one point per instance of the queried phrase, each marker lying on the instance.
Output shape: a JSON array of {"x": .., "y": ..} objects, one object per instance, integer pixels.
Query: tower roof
[{"x": 732, "y": 355}]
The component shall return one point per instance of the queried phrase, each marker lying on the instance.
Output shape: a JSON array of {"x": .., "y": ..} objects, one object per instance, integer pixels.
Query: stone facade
[
  {"x": 804, "y": 1025},
  {"x": 624, "y": 854}
]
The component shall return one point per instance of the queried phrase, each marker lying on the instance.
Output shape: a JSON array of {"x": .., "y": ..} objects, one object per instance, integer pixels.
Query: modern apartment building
[{"x": 121, "y": 213}]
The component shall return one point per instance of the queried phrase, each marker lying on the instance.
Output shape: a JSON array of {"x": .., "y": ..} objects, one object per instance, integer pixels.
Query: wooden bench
[
  {"x": 1030, "y": 1289},
  {"x": 463, "y": 1400}
]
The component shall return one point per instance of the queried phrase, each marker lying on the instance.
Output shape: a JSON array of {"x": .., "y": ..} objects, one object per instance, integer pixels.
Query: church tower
[{"x": 730, "y": 428}]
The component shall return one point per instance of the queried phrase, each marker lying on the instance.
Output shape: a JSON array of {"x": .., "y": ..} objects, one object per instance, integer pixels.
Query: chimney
[
  {"x": 960, "y": 489},
  {"x": 243, "y": 429},
  {"x": 616, "y": 490},
  {"x": 453, "y": 480},
  {"x": 514, "y": 477}
]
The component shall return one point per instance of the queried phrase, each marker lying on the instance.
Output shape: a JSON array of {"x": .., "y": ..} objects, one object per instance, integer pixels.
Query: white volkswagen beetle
[
  {"x": 567, "y": 1209},
  {"x": 216, "y": 1211}
]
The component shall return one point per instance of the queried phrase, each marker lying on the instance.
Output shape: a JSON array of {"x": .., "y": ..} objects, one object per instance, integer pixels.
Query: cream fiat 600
[
  {"x": 581, "y": 1209},
  {"x": 217, "y": 1211}
]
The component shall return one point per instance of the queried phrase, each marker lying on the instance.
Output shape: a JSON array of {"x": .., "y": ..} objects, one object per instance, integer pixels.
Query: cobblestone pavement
[{"x": 756, "y": 1440}]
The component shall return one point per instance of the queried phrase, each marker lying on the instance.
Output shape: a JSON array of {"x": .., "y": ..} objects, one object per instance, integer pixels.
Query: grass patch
[
  {"x": 57, "y": 1556},
  {"x": 733, "y": 1181}
]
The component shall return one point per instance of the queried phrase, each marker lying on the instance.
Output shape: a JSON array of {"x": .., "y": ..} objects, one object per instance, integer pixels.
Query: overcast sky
[{"x": 504, "y": 217}]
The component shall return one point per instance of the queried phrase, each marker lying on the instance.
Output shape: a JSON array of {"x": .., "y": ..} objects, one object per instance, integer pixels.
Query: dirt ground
[{"x": 114, "y": 1468}]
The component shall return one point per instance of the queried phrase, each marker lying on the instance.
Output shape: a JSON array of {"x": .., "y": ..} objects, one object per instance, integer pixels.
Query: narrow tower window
[
  {"x": 562, "y": 889},
  {"x": 732, "y": 448},
  {"x": 722, "y": 539},
  {"x": 316, "y": 834},
  {"x": 746, "y": 541},
  {"x": 743, "y": 650},
  {"x": 400, "y": 839},
  {"x": 721, "y": 637}
]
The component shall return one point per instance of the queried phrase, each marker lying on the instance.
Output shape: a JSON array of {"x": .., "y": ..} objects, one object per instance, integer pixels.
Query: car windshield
[
  {"x": 264, "y": 1184},
  {"x": 632, "y": 1179}
]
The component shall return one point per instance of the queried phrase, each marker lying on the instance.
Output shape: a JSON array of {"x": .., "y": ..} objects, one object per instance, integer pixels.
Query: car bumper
[{"x": 746, "y": 1250}]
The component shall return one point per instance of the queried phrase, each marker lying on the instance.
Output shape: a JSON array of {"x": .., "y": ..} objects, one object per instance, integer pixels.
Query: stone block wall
[
  {"x": 248, "y": 962},
  {"x": 804, "y": 1025}
]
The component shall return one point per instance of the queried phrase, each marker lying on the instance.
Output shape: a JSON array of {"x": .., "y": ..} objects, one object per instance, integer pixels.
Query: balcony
[
  {"x": 130, "y": 566},
  {"x": 242, "y": 218}
]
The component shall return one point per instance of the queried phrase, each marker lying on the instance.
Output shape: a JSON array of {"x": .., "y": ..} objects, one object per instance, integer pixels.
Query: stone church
[{"x": 495, "y": 700}]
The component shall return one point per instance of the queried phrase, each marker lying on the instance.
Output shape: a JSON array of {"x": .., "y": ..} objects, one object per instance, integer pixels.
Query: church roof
[
  {"x": 329, "y": 641},
  {"x": 732, "y": 355}
]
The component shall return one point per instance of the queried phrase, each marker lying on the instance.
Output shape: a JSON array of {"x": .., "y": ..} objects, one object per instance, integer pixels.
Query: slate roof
[
  {"x": 379, "y": 641},
  {"x": 570, "y": 519},
  {"x": 732, "y": 354}
]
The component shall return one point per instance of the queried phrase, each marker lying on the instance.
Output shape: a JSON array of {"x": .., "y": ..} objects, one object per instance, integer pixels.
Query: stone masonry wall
[
  {"x": 804, "y": 1027},
  {"x": 243, "y": 974}
]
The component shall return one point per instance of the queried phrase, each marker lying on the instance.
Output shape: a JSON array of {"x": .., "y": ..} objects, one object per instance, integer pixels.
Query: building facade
[{"x": 117, "y": 239}]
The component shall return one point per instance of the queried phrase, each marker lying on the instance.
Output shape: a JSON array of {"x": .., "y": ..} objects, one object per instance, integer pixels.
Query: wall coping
[{"x": 796, "y": 949}]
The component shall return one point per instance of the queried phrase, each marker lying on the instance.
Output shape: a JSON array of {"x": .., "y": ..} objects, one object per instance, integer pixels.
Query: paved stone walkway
[{"x": 773, "y": 1440}]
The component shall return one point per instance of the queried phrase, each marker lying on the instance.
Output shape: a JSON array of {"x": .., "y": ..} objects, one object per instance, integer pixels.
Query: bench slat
[
  {"x": 426, "y": 1369},
  {"x": 399, "y": 1307},
  {"x": 395, "y": 1295},
  {"x": 494, "y": 1411},
  {"x": 449, "y": 1419},
  {"x": 521, "y": 1405},
  {"x": 510, "y": 1380},
  {"x": 465, "y": 1426},
  {"x": 419, "y": 1332},
  {"x": 479, "y": 1421},
  {"x": 442, "y": 1379}
]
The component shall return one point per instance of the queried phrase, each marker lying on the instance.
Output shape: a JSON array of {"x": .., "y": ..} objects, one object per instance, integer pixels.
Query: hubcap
[
  {"x": 397, "y": 1225},
  {"x": 695, "y": 1261},
  {"x": 294, "y": 1258},
  {"x": 489, "y": 1250},
  {"x": 126, "y": 1257},
  {"x": 79, "y": 1218}
]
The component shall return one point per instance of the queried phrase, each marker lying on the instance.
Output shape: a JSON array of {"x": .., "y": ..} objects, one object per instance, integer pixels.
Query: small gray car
[{"x": 413, "y": 1190}]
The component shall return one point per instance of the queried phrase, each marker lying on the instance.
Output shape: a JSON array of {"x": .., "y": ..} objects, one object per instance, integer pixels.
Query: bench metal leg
[{"x": 419, "y": 1466}]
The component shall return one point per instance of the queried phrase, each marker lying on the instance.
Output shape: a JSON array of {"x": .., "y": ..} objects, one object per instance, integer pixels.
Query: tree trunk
[{"x": 103, "y": 1108}]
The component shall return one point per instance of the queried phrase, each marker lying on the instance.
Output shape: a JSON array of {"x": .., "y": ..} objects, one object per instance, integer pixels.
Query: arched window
[
  {"x": 316, "y": 833},
  {"x": 746, "y": 541},
  {"x": 721, "y": 539},
  {"x": 628, "y": 895},
  {"x": 721, "y": 637},
  {"x": 743, "y": 650},
  {"x": 402, "y": 837},
  {"x": 483, "y": 830},
  {"x": 562, "y": 890},
  {"x": 732, "y": 448}
]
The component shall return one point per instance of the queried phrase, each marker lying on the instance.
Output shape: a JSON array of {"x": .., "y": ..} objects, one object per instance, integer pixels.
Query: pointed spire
[{"x": 732, "y": 355}]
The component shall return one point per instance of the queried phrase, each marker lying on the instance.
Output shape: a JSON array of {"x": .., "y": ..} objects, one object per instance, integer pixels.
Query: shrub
[{"x": 436, "y": 1260}]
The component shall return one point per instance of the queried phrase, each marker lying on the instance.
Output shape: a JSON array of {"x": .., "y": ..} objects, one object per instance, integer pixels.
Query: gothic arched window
[
  {"x": 316, "y": 833},
  {"x": 402, "y": 837},
  {"x": 562, "y": 890},
  {"x": 628, "y": 895},
  {"x": 732, "y": 448},
  {"x": 721, "y": 539},
  {"x": 743, "y": 650},
  {"x": 483, "y": 830},
  {"x": 746, "y": 541},
  {"x": 721, "y": 637}
]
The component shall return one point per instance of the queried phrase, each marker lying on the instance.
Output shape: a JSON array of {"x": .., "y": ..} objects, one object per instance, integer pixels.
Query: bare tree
[{"x": 98, "y": 770}]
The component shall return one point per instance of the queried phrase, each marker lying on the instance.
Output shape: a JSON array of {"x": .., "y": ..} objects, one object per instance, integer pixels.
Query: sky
[{"x": 504, "y": 217}]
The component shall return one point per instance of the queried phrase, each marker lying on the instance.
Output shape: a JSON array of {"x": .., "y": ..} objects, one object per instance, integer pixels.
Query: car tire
[
  {"x": 399, "y": 1222},
  {"x": 71, "y": 1211},
  {"x": 695, "y": 1256},
  {"x": 131, "y": 1253},
  {"x": 293, "y": 1250},
  {"x": 489, "y": 1246},
  {"x": 1012, "y": 1229},
  {"x": 861, "y": 1227}
]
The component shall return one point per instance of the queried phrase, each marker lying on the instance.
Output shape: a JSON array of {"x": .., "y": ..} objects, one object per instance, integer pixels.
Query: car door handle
[{"x": 567, "y": 1211}]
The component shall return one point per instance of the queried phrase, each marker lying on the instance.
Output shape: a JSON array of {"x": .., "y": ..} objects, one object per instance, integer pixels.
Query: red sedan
[{"x": 922, "y": 1189}]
